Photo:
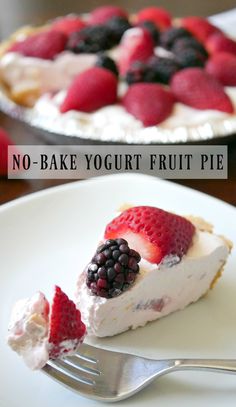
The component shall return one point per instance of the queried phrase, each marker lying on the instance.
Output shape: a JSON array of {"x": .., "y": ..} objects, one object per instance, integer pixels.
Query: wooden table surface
[
  {"x": 19, "y": 12},
  {"x": 22, "y": 134}
]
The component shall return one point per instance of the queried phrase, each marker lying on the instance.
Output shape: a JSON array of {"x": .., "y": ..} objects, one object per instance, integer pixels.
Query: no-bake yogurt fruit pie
[
  {"x": 108, "y": 71},
  {"x": 149, "y": 264}
]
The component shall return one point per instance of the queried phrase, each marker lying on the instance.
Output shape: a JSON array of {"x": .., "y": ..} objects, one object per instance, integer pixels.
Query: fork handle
[{"x": 213, "y": 365}]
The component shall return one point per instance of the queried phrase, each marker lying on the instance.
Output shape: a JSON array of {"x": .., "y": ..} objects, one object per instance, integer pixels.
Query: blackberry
[
  {"x": 106, "y": 62},
  {"x": 117, "y": 26},
  {"x": 168, "y": 38},
  {"x": 91, "y": 40},
  {"x": 152, "y": 28},
  {"x": 113, "y": 269},
  {"x": 182, "y": 43},
  {"x": 138, "y": 72},
  {"x": 189, "y": 57},
  {"x": 163, "y": 68}
]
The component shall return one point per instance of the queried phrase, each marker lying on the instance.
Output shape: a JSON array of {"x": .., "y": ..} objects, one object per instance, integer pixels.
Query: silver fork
[{"x": 112, "y": 376}]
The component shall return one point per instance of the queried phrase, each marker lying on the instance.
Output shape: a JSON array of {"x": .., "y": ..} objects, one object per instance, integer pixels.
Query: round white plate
[{"x": 47, "y": 238}]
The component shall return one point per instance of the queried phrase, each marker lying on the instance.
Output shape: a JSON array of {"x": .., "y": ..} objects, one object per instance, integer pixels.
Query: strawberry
[
  {"x": 136, "y": 45},
  {"x": 220, "y": 43},
  {"x": 65, "y": 325},
  {"x": 199, "y": 27},
  {"x": 196, "y": 88},
  {"x": 5, "y": 141},
  {"x": 148, "y": 102},
  {"x": 152, "y": 232},
  {"x": 43, "y": 45},
  {"x": 159, "y": 16},
  {"x": 68, "y": 24},
  {"x": 92, "y": 89},
  {"x": 223, "y": 67},
  {"x": 101, "y": 15}
]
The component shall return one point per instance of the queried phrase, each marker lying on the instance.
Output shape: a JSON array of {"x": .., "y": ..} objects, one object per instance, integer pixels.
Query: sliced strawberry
[
  {"x": 220, "y": 43},
  {"x": 157, "y": 15},
  {"x": 136, "y": 45},
  {"x": 199, "y": 27},
  {"x": 66, "y": 330},
  {"x": 223, "y": 67},
  {"x": 45, "y": 45},
  {"x": 5, "y": 141},
  {"x": 68, "y": 24},
  {"x": 92, "y": 89},
  {"x": 104, "y": 13},
  {"x": 148, "y": 102},
  {"x": 152, "y": 232},
  {"x": 196, "y": 88}
]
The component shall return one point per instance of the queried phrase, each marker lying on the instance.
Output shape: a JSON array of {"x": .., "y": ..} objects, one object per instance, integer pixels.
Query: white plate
[{"x": 47, "y": 238}]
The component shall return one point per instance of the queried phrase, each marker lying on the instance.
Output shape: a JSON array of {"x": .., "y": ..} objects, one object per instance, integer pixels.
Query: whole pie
[{"x": 135, "y": 75}]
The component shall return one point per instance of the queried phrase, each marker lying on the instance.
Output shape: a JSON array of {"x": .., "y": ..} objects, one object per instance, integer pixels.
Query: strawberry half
[
  {"x": 152, "y": 232},
  {"x": 157, "y": 15},
  {"x": 199, "y": 27},
  {"x": 92, "y": 89},
  {"x": 136, "y": 45},
  {"x": 101, "y": 15},
  {"x": 223, "y": 67},
  {"x": 218, "y": 42},
  {"x": 68, "y": 24},
  {"x": 148, "y": 102},
  {"x": 196, "y": 88},
  {"x": 66, "y": 330},
  {"x": 44, "y": 45}
]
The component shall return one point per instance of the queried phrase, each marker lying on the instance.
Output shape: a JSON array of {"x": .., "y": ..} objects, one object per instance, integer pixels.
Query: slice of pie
[{"x": 150, "y": 264}]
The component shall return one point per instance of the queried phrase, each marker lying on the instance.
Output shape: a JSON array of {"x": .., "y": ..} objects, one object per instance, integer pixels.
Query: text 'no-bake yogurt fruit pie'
[
  {"x": 136, "y": 75},
  {"x": 148, "y": 264}
]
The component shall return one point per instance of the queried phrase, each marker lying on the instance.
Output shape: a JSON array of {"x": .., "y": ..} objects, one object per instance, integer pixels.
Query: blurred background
[{"x": 15, "y": 13}]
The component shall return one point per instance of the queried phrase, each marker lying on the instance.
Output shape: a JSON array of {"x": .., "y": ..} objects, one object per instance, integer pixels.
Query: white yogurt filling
[{"x": 157, "y": 291}]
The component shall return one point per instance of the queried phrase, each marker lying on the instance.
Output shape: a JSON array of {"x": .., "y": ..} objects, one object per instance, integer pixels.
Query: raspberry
[
  {"x": 103, "y": 14},
  {"x": 158, "y": 15},
  {"x": 113, "y": 269},
  {"x": 68, "y": 24}
]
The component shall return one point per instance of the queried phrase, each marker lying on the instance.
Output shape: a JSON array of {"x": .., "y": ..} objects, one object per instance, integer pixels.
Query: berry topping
[
  {"x": 136, "y": 45},
  {"x": 152, "y": 28},
  {"x": 157, "y": 15},
  {"x": 66, "y": 330},
  {"x": 68, "y": 24},
  {"x": 154, "y": 233},
  {"x": 189, "y": 57},
  {"x": 117, "y": 26},
  {"x": 219, "y": 43},
  {"x": 152, "y": 109},
  {"x": 92, "y": 89},
  {"x": 223, "y": 67},
  {"x": 169, "y": 37},
  {"x": 139, "y": 72},
  {"x": 104, "y": 61},
  {"x": 188, "y": 42},
  {"x": 104, "y": 13},
  {"x": 91, "y": 40},
  {"x": 196, "y": 88},
  {"x": 163, "y": 68},
  {"x": 45, "y": 45},
  {"x": 199, "y": 27},
  {"x": 113, "y": 269}
]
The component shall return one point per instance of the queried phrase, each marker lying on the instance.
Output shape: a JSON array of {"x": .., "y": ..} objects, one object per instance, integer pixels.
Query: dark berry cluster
[
  {"x": 113, "y": 269},
  {"x": 106, "y": 62},
  {"x": 153, "y": 30},
  {"x": 98, "y": 37},
  {"x": 169, "y": 37},
  {"x": 155, "y": 70}
]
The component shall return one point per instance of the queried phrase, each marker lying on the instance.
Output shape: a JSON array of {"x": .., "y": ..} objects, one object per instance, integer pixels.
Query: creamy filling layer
[{"x": 158, "y": 290}]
